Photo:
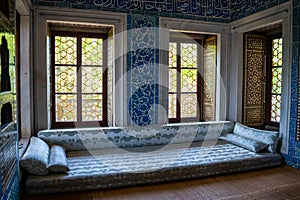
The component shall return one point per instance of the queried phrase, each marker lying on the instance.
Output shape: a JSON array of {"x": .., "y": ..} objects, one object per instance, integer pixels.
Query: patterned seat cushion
[{"x": 120, "y": 167}]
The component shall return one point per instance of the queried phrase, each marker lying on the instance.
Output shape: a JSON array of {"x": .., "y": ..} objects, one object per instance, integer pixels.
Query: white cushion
[
  {"x": 246, "y": 143},
  {"x": 58, "y": 159},
  {"x": 35, "y": 159},
  {"x": 268, "y": 137}
]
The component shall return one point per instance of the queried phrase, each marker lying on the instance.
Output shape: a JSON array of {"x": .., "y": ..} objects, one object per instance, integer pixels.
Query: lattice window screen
[
  {"x": 209, "y": 77},
  {"x": 183, "y": 80},
  {"x": 254, "y": 63},
  {"x": 79, "y": 90}
]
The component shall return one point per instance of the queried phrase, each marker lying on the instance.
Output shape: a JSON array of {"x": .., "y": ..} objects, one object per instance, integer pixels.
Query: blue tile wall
[
  {"x": 293, "y": 156},
  {"x": 243, "y": 8},
  {"x": 142, "y": 73}
]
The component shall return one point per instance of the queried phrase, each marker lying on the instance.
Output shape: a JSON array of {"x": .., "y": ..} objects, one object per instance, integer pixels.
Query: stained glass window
[{"x": 79, "y": 78}]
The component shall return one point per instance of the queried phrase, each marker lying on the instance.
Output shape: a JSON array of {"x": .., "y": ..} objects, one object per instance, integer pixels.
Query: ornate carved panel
[
  {"x": 209, "y": 78},
  {"x": 254, "y": 81}
]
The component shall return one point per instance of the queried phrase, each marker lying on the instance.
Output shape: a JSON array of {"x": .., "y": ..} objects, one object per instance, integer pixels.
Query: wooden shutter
[
  {"x": 209, "y": 78},
  {"x": 254, "y": 80}
]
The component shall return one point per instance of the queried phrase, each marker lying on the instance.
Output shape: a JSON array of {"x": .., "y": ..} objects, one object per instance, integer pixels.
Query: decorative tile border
[{"x": 217, "y": 9}]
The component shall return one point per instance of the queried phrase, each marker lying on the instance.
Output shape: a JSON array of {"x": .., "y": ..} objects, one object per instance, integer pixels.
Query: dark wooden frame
[
  {"x": 178, "y": 92},
  {"x": 79, "y": 122},
  {"x": 269, "y": 80}
]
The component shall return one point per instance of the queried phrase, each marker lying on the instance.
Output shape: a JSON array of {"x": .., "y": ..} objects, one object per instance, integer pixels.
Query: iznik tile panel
[
  {"x": 293, "y": 157},
  {"x": 142, "y": 70}
]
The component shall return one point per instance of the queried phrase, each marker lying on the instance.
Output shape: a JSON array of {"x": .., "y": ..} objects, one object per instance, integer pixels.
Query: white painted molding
[
  {"x": 23, "y": 7},
  {"x": 26, "y": 123},
  {"x": 43, "y": 15}
]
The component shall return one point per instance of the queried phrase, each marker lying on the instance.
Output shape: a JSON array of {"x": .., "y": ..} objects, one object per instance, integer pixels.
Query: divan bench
[{"x": 112, "y": 157}]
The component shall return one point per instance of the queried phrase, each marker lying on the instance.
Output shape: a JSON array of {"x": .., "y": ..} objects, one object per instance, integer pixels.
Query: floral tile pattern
[
  {"x": 293, "y": 157},
  {"x": 142, "y": 73}
]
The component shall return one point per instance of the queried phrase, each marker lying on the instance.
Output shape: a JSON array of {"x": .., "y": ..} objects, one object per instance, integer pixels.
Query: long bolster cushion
[
  {"x": 35, "y": 159},
  {"x": 268, "y": 137},
  {"x": 39, "y": 159},
  {"x": 58, "y": 159},
  {"x": 246, "y": 143}
]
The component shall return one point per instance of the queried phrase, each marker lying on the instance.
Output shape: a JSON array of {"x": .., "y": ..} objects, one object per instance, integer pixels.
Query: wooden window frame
[
  {"x": 79, "y": 93},
  {"x": 178, "y": 92},
  {"x": 269, "y": 79}
]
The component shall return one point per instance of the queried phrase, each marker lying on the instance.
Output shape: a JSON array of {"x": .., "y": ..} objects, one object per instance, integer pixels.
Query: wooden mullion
[
  {"x": 189, "y": 92},
  {"x": 66, "y": 93},
  {"x": 275, "y": 94},
  {"x": 104, "y": 79},
  {"x": 189, "y": 68},
  {"x": 200, "y": 81},
  {"x": 93, "y": 66},
  {"x": 90, "y": 93},
  {"x": 178, "y": 83},
  {"x": 79, "y": 79},
  {"x": 65, "y": 65}
]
